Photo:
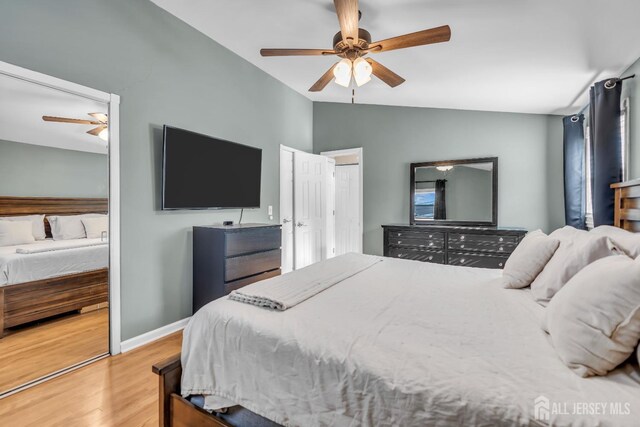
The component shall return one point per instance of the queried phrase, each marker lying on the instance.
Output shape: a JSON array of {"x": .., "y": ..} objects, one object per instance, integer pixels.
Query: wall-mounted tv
[{"x": 202, "y": 172}]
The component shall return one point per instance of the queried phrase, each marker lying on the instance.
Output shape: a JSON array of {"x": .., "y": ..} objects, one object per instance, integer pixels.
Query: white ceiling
[
  {"x": 22, "y": 105},
  {"x": 529, "y": 56}
]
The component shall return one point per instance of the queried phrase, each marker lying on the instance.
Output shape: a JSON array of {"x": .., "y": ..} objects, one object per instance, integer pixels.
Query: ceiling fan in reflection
[{"x": 100, "y": 120}]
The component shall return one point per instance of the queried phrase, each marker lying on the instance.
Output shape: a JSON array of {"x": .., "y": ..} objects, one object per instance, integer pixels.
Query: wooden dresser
[
  {"x": 467, "y": 246},
  {"x": 230, "y": 257}
]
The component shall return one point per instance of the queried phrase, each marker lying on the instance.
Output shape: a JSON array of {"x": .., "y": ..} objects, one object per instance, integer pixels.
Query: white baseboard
[{"x": 154, "y": 335}]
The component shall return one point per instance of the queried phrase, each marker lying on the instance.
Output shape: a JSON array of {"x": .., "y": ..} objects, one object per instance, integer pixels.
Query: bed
[
  {"x": 400, "y": 343},
  {"x": 54, "y": 280}
]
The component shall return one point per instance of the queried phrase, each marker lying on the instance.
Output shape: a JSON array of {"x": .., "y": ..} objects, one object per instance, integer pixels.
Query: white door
[
  {"x": 347, "y": 233},
  {"x": 286, "y": 209},
  {"x": 309, "y": 208},
  {"x": 330, "y": 216}
]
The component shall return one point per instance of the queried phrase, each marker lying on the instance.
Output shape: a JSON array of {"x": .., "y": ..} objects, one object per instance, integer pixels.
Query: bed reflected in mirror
[
  {"x": 454, "y": 192},
  {"x": 54, "y": 218}
]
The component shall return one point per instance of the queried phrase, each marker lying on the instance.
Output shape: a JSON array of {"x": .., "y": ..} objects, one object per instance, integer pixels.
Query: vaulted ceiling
[{"x": 529, "y": 56}]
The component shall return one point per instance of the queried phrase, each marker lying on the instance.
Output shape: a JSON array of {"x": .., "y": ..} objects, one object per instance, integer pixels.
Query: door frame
[
  {"x": 113, "y": 101},
  {"x": 357, "y": 151},
  {"x": 291, "y": 150}
]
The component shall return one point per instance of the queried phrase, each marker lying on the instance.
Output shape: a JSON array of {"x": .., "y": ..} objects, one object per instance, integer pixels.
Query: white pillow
[
  {"x": 94, "y": 227},
  {"x": 16, "y": 233},
  {"x": 528, "y": 259},
  {"x": 578, "y": 248},
  {"x": 70, "y": 226},
  {"x": 626, "y": 241},
  {"x": 594, "y": 321},
  {"x": 37, "y": 223}
]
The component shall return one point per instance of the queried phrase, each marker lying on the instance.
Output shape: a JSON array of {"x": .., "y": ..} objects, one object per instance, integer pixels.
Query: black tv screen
[{"x": 202, "y": 172}]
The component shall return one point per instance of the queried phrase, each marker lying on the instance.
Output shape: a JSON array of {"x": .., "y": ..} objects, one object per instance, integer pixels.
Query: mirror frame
[{"x": 494, "y": 203}]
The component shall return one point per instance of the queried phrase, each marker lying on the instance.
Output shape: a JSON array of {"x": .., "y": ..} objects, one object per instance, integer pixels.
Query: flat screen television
[{"x": 202, "y": 172}]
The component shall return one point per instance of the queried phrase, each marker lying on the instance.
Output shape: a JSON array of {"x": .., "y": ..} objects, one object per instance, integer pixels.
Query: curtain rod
[{"x": 614, "y": 80}]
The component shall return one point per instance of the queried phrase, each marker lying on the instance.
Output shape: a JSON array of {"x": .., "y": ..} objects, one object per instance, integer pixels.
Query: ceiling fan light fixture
[
  {"x": 362, "y": 71},
  {"x": 342, "y": 72},
  {"x": 104, "y": 134},
  {"x": 444, "y": 168}
]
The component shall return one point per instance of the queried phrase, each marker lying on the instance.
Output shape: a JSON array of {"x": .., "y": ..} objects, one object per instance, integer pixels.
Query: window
[
  {"x": 424, "y": 202},
  {"x": 624, "y": 130}
]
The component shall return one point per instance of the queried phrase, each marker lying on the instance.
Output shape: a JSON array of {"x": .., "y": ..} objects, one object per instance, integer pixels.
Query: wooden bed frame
[
  {"x": 26, "y": 302},
  {"x": 175, "y": 411}
]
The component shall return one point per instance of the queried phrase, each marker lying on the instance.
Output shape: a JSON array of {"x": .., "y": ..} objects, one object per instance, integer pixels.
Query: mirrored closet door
[{"x": 54, "y": 245}]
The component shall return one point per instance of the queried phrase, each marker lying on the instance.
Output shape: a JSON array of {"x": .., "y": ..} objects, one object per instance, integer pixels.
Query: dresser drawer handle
[
  {"x": 461, "y": 237},
  {"x": 430, "y": 236},
  {"x": 501, "y": 249},
  {"x": 399, "y": 241},
  {"x": 430, "y": 243},
  {"x": 462, "y": 261},
  {"x": 400, "y": 255},
  {"x": 431, "y": 257},
  {"x": 461, "y": 246},
  {"x": 399, "y": 234},
  {"x": 500, "y": 265},
  {"x": 500, "y": 239}
]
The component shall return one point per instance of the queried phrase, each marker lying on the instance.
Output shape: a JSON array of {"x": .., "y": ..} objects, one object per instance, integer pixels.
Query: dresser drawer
[
  {"x": 246, "y": 242},
  {"x": 237, "y": 284},
  {"x": 414, "y": 242},
  {"x": 416, "y": 255},
  {"x": 248, "y": 265},
  {"x": 483, "y": 243},
  {"x": 416, "y": 234},
  {"x": 476, "y": 260}
]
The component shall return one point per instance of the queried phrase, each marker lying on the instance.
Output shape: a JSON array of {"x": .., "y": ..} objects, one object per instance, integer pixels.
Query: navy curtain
[
  {"x": 574, "y": 172},
  {"x": 440, "y": 205},
  {"x": 606, "y": 143}
]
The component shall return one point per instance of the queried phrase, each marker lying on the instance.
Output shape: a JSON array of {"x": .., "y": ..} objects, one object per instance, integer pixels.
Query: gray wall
[
  {"x": 36, "y": 171},
  {"x": 631, "y": 89},
  {"x": 166, "y": 72},
  {"x": 394, "y": 137}
]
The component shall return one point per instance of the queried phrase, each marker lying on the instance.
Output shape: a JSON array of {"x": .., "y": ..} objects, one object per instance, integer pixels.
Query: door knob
[
  {"x": 286, "y": 221},
  {"x": 299, "y": 224}
]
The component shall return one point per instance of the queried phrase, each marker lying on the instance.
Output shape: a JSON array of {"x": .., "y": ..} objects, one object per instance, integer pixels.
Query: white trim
[
  {"x": 115, "y": 328},
  {"x": 359, "y": 152},
  {"x": 114, "y": 179},
  {"x": 154, "y": 335},
  {"x": 293, "y": 150}
]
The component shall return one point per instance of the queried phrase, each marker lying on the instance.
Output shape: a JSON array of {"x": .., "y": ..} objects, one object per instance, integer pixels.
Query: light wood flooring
[
  {"x": 116, "y": 391},
  {"x": 31, "y": 352}
]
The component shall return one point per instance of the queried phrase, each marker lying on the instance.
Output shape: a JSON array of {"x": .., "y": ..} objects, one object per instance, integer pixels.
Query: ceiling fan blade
[
  {"x": 324, "y": 80},
  {"x": 385, "y": 74},
  {"x": 101, "y": 117},
  {"x": 67, "y": 120},
  {"x": 96, "y": 131},
  {"x": 296, "y": 52},
  {"x": 420, "y": 38},
  {"x": 348, "y": 16}
]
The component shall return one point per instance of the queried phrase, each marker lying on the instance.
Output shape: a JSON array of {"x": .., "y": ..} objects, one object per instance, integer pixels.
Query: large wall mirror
[
  {"x": 55, "y": 212},
  {"x": 455, "y": 192}
]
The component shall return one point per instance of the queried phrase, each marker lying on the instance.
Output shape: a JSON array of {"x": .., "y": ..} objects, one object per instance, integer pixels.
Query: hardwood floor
[
  {"x": 116, "y": 391},
  {"x": 31, "y": 352}
]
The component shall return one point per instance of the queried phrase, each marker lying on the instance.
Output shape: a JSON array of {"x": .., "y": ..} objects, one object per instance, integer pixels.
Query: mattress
[
  {"x": 55, "y": 259},
  {"x": 401, "y": 343}
]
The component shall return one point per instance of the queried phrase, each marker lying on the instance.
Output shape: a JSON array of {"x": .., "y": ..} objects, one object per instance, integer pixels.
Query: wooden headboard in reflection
[
  {"x": 14, "y": 206},
  {"x": 627, "y": 205}
]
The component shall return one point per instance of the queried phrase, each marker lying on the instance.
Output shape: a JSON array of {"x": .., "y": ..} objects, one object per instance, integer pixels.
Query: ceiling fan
[
  {"x": 353, "y": 43},
  {"x": 101, "y": 121}
]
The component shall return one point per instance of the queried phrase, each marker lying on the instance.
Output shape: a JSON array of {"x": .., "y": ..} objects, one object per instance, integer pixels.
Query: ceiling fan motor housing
[{"x": 364, "y": 39}]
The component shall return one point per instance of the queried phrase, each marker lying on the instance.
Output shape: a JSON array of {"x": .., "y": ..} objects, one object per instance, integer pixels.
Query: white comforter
[
  {"x": 51, "y": 259},
  {"x": 402, "y": 343}
]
